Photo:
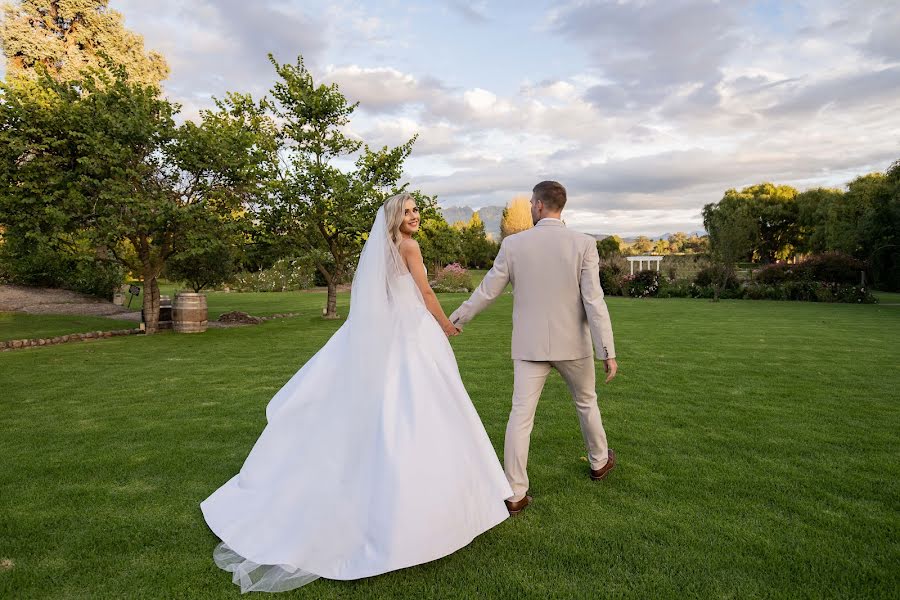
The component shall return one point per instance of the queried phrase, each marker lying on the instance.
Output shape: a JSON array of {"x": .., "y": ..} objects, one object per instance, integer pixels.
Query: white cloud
[
  {"x": 658, "y": 107},
  {"x": 380, "y": 88}
]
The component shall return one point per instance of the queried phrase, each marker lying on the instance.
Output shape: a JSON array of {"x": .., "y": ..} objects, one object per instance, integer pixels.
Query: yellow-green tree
[
  {"x": 516, "y": 217},
  {"x": 69, "y": 36},
  {"x": 643, "y": 244}
]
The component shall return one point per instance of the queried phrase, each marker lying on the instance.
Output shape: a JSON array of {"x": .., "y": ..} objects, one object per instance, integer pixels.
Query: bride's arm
[{"x": 409, "y": 250}]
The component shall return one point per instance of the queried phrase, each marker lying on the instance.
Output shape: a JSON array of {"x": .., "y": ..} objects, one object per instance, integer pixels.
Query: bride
[{"x": 374, "y": 458}]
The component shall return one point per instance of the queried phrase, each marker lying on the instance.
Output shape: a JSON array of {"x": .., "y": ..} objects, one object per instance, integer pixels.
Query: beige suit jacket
[{"x": 558, "y": 303}]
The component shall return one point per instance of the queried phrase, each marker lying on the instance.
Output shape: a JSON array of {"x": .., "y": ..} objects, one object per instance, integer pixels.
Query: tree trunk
[
  {"x": 151, "y": 302},
  {"x": 331, "y": 306}
]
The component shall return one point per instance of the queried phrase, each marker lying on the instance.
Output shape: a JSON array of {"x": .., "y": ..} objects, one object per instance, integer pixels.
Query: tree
[
  {"x": 696, "y": 244},
  {"x": 661, "y": 246},
  {"x": 731, "y": 235},
  {"x": 439, "y": 242},
  {"x": 610, "y": 246},
  {"x": 774, "y": 212},
  {"x": 678, "y": 241},
  {"x": 68, "y": 36},
  {"x": 208, "y": 256},
  {"x": 516, "y": 217},
  {"x": 477, "y": 250},
  {"x": 317, "y": 207},
  {"x": 643, "y": 244},
  {"x": 103, "y": 155},
  {"x": 815, "y": 208},
  {"x": 880, "y": 228}
]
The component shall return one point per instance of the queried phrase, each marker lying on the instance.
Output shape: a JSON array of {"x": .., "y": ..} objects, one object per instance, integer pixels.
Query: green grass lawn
[
  {"x": 757, "y": 442},
  {"x": 17, "y": 326},
  {"x": 887, "y": 297}
]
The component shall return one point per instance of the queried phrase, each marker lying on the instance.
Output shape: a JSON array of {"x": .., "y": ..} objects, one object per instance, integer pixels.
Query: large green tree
[
  {"x": 68, "y": 36},
  {"x": 103, "y": 155},
  {"x": 773, "y": 209},
  {"x": 816, "y": 209},
  {"x": 439, "y": 242},
  {"x": 732, "y": 232},
  {"x": 476, "y": 250},
  {"x": 880, "y": 231},
  {"x": 320, "y": 207}
]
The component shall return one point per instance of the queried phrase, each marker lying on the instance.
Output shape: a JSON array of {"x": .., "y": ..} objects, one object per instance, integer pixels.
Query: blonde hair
[{"x": 393, "y": 214}]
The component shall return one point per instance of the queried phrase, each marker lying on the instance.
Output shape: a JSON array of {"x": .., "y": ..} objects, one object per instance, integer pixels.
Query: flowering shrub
[
  {"x": 452, "y": 278},
  {"x": 643, "y": 284},
  {"x": 285, "y": 275}
]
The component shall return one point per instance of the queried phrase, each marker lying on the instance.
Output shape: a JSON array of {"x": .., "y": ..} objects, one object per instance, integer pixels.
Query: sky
[{"x": 645, "y": 110}]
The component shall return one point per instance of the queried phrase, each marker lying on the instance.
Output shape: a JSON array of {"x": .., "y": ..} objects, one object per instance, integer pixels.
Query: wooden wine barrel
[{"x": 189, "y": 313}]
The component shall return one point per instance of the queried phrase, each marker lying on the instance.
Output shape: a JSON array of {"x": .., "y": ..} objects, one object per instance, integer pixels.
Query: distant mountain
[
  {"x": 632, "y": 238},
  {"x": 490, "y": 215}
]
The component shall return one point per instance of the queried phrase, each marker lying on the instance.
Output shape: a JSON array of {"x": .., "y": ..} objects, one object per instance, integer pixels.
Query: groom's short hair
[{"x": 552, "y": 194}]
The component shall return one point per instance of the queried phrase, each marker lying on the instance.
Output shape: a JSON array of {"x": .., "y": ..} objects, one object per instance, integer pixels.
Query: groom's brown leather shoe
[
  {"x": 515, "y": 508},
  {"x": 598, "y": 474}
]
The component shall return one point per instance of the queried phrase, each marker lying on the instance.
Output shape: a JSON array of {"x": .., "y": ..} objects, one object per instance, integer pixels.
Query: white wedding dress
[{"x": 373, "y": 459}]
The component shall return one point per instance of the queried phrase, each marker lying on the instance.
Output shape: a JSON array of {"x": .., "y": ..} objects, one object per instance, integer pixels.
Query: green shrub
[
  {"x": 808, "y": 291},
  {"x": 674, "y": 289},
  {"x": 30, "y": 263},
  {"x": 773, "y": 273},
  {"x": 612, "y": 273},
  {"x": 831, "y": 267},
  {"x": 96, "y": 277},
  {"x": 763, "y": 291},
  {"x": 715, "y": 273}
]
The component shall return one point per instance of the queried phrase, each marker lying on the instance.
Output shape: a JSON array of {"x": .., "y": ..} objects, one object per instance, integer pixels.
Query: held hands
[
  {"x": 450, "y": 329},
  {"x": 611, "y": 367}
]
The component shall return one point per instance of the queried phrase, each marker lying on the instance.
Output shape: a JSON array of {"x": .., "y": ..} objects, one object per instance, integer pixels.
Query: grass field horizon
[{"x": 757, "y": 446}]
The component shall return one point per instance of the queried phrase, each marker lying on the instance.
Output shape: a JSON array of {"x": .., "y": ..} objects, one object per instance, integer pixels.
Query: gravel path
[{"x": 46, "y": 301}]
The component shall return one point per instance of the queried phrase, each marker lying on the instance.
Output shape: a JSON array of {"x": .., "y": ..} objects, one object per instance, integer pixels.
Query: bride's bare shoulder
[{"x": 408, "y": 246}]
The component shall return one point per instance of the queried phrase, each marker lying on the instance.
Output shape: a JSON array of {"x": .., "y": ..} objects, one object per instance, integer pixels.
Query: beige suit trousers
[{"x": 529, "y": 378}]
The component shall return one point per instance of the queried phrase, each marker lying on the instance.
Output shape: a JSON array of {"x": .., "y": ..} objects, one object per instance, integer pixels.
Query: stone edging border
[
  {"x": 63, "y": 339},
  {"x": 6, "y": 346}
]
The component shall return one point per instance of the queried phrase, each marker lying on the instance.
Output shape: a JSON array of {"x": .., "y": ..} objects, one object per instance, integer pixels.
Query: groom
[{"x": 557, "y": 308}]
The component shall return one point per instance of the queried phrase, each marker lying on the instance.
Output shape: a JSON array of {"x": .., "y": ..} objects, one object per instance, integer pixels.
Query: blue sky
[{"x": 646, "y": 110}]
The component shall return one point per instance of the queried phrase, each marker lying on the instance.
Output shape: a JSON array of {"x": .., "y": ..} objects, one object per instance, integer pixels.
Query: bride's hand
[{"x": 450, "y": 329}]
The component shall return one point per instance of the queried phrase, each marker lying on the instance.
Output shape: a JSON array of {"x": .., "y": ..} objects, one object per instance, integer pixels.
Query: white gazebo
[{"x": 640, "y": 260}]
